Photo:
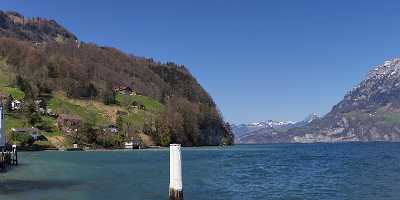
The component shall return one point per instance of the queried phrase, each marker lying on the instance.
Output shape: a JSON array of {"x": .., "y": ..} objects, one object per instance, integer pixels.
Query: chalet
[
  {"x": 34, "y": 132},
  {"x": 124, "y": 90},
  {"x": 69, "y": 124}
]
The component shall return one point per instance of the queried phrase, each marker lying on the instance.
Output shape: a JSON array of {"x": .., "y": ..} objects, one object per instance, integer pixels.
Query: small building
[
  {"x": 111, "y": 129},
  {"x": 15, "y": 105},
  {"x": 69, "y": 124},
  {"x": 50, "y": 113},
  {"x": 124, "y": 90},
  {"x": 139, "y": 105},
  {"x": 133, "y": 144},
  {"x": 40, "y": 106},
  {"x": 34, "y": 132}
]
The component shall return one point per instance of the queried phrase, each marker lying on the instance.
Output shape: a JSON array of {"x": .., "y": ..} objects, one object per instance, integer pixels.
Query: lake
[{"x": 278, "y": 171}]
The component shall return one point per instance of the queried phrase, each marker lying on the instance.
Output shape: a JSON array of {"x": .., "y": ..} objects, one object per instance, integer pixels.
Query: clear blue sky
[{"x": 259, "y": 59}]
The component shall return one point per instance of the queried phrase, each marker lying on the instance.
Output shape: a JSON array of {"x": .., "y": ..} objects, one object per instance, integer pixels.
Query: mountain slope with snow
[{"x": 369, "y": 112}]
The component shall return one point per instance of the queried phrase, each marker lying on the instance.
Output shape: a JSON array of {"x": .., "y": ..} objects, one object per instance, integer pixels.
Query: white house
[{"x": 16, "y": 105}]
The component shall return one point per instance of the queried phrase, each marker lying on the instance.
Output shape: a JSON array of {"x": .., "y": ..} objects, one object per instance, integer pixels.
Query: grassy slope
[
  {"x": 149, "y": 103},
  {"x": 137, "y": 118},
  {"x": 90, "y": 111},
  {"x": 5, "y": 82},
  {"x": 16, "y": 93},
  {"x": 100, "y": 114}
]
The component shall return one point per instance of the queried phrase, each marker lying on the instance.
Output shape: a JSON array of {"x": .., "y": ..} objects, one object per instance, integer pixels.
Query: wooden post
[
  {"x": 14, "y": 150},
  {"x": 175, "y": 172}
]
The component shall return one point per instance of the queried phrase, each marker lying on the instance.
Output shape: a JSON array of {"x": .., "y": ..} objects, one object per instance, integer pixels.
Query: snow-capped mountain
[
  {"x": 310, "y": 118},
  {"x": 269, "y": 131},
  {"x": 243, "y": 129}
]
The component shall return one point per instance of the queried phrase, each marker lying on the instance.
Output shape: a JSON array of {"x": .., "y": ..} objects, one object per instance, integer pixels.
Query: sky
[{"x": 259, "y": 60}]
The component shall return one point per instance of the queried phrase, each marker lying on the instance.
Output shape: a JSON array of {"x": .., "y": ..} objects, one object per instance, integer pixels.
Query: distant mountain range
[{"x": 267, "y": 131}]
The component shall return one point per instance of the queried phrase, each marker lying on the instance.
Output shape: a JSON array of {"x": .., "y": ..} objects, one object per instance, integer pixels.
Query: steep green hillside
[
  {"x": 45, "y": 60},
  {"x": 93, "y": 113}
]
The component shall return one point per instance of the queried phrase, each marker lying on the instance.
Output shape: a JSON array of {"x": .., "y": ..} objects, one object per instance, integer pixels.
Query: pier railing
[{"x": 8, "y": 157}]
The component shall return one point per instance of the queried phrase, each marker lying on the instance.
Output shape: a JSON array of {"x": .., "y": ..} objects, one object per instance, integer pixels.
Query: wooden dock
[{"x": 8, "y": 157}]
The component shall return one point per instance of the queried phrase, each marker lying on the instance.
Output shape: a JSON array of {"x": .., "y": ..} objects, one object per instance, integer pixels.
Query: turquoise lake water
[{"x": 286, "y": 171}]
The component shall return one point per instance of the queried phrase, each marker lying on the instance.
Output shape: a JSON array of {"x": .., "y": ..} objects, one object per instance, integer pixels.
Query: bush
[
  {"x": 110, "y": 140},
  {"x": 24, "y": 139},
  {"x": 47, "y": 124}
]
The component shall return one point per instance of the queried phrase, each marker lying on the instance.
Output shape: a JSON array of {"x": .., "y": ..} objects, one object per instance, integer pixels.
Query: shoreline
[{"x": 113, "y": 150}]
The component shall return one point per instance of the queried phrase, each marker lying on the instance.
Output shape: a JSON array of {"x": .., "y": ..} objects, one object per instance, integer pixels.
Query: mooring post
[
  {"x": 14, "y": 150},
  {"x": 175, "y": 172}
]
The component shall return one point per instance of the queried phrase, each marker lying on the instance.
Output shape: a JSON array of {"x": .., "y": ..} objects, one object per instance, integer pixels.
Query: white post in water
[{"x": 175, "y": 172}]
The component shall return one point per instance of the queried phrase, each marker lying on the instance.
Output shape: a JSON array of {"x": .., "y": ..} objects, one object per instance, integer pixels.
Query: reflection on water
[{"x": 288, "y": 171}]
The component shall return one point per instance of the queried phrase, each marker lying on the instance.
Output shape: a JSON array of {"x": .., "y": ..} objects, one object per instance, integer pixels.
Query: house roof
[
  {"x": 122, "y": 88},
  {"x": 33, "y": 129}
]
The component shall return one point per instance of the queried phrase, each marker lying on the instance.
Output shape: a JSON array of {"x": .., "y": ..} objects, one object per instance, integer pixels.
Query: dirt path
[{"x": 58, "y": 141}]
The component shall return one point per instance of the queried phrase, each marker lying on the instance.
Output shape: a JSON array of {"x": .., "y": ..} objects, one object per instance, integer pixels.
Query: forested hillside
[{"x": 45, "y": 61}]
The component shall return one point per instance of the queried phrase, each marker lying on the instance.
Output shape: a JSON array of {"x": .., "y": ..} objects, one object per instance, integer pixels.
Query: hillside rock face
[
  {"x": 369, "y": 112},
  {"x": 13, "y": 24}
]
